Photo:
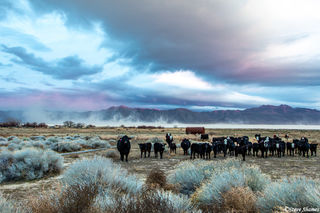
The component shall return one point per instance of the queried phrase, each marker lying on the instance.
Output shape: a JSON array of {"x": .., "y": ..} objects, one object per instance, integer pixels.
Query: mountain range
[{"x": 265, "y": 114}]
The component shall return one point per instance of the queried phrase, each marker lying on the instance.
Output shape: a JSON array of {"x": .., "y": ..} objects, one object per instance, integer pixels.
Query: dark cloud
[
  {"x": 214, "y": 38},
  {"x": 71, "y": 67}
]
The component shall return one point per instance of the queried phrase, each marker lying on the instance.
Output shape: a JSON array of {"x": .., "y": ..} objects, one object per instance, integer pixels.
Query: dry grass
[
  {"x": 75, "y": 198},
  {"x": 156, "y": 178},
  {"x": 239, "y": 199},
  {"x": 147, "y": 201},
  {"x": 111, "y": 153}
]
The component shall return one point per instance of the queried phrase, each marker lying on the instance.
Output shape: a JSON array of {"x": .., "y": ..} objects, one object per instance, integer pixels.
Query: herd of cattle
[{"x": 233, "y": 146}]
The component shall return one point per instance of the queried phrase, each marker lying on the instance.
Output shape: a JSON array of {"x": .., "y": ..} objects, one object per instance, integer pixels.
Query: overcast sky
[{"x": 201, "y": 55}]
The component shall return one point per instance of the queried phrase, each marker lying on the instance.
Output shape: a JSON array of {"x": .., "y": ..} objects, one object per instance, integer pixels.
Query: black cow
[
  {"x": 215, "y": 147},
  {"x": 313, "y": 149},
  {"x": 304, "y": 146},
  {"x": 290, "y": 148},
  {"x": 169, "y": 139},
  {"x": 272, "y": 146},
  {"x": 296, "y": 145},
  {"x": 257, "y": 137},
  {"x": 173, "y": 148},
  {"x": 206, "y": 150},
  {"x": 185, "y": 145},
  {"x": 219, "y": 144},
  {"x": 123, "y": 146},
  {"x": 223, "y": 145},
  {"x": 242, "y": 147},
  {"x": 158, "y": 147},
  {"x": 230, "y": 145},
  {"x": 264, "y": 146},
  {"x": 255, "y": 149},
  {"x": 204, "y": 136},
  {"x": 196, "y": 148},
  {"x": 144, "y": 148},
  {"x": 250, "y": 146},
  {"x": 280, "y": 147}
]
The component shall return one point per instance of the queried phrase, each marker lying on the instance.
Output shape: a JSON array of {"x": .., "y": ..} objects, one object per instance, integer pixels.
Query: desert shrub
[
  {"x": 7, "y": 206},
  {"x": 10, "y": 138},
  {"x": 153, "y": 201},
  {"x": 3, "y": 141},
  {"x": 103, "y": 171},
  {"x": 65, "y": 147},
  {"x": 239, "y": 199},
  {"x": 51, "y": 140},
  {"x": 38, "y": 138},
  {"x": 190, "y": 174},
  {"x": 75, "y": 198},
  {"x": 28, "y": 164},
  {"x": 93, "y": 143},
  {"x": 211, "y": 192},
  {"x": 299, "y": 192},
  {"x": 111, "y": 153},
  {"x": 156, "y": 178}
]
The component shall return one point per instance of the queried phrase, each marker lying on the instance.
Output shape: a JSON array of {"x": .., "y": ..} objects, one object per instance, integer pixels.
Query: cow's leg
[
  {"x": 145, "y": 154},
  {"x": 148, "y": 154},
  {"x": 141, "y": 154},
  {"x": 127, "y": 157},
  {"x": 161, "y": 154},
  {"x": 121, "y": 157}
]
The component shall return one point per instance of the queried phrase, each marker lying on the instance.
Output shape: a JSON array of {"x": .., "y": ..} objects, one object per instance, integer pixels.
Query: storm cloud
[
  {"x": 164, "y": 54},
  {"x": 70, "y": 67},
  {"x": 234, "y": 41}
]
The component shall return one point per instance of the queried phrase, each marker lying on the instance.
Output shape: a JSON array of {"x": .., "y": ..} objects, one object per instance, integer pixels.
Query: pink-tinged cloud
[{"x": 56, "y": 101}]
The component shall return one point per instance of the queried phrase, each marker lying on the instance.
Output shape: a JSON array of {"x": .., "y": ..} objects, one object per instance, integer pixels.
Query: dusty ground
[{"x": 275, "y": 167}]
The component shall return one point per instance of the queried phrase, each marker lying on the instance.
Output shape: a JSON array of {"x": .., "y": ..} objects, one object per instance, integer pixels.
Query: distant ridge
[{"x": 265, "y": 114}]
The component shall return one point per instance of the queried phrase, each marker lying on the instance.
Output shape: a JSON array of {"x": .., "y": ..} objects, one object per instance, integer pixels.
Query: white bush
[
  {"x": 224, "y": 180},
  {"x": 93, "y": 143},
  {"x": 158, "y": 200},
  {"x": 65, "y": 147},
  {"x": 111, "y": 153},
  {"x": 190, "y": 174},
  {"x": 59, "y": 144},
  {"x": 28, "y": 164},
  {"x": 299, "y": 192},
  {"x": 7, "y": 206},
  {"x": 3, "y": 141},
  {"x": 38, "y": 138},
  {"x": 104, "y": 172},
  {"x": 179, "y": 203}
]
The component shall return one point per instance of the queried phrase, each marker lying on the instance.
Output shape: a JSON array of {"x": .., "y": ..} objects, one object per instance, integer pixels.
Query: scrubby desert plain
[{"x": 276, "y": 168}]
